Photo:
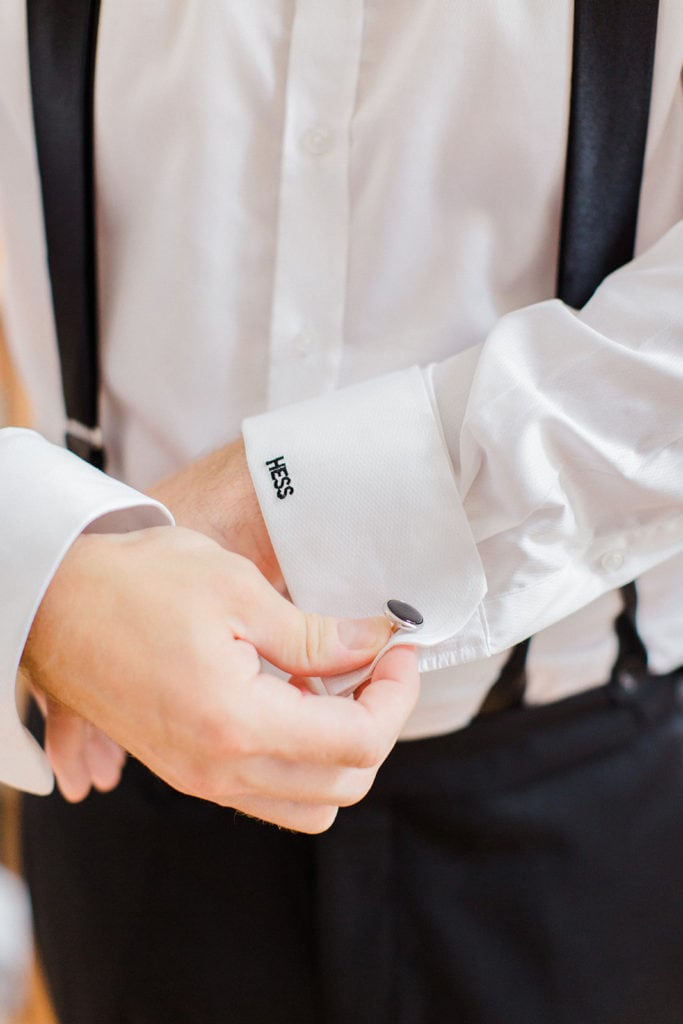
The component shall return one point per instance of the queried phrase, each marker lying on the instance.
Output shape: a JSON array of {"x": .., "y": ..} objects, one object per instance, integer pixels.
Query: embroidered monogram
[{"x": 279, "y": 474}]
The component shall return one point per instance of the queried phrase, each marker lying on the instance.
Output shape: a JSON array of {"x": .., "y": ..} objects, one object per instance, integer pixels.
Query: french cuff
[
  {"x": 360, "y": 501},
  {"x": 49, "y": 498}
]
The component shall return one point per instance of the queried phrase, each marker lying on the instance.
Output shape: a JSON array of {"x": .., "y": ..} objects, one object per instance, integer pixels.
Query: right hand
[{"x": 154, "y": 637}]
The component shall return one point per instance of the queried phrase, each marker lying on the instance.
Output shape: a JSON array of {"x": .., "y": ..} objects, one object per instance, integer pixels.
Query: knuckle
[
  {"x": 356, "y": 787},
  {"x": 370, "y": 753},
  {"x": 315, "y": 820},
  {"x": 242, "y": 779},
  {"x": 209, "y": 779},
  {"x": 199, "y": 780},
  {"x": 223, "y": 738}
]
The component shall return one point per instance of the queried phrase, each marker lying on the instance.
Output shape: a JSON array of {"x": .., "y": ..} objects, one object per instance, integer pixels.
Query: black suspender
[
  {"x": 613, "y": 56},
  {"x": 62, "y": 36}
]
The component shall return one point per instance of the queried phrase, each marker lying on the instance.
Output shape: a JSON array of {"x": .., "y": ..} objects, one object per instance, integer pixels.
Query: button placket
[{"x": 309, "y": 292}]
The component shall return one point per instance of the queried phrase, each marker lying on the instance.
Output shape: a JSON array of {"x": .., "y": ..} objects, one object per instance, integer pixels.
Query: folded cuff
[{"x": 359, "y": 497}]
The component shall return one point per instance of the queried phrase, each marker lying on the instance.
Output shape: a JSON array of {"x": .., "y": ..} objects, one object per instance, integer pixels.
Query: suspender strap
[
  {"x": 614, "y": 48},
  {"x": 631, "y": 663},
  {"x": 62, "y": 39},
  {"x": 613, "y": 59}
]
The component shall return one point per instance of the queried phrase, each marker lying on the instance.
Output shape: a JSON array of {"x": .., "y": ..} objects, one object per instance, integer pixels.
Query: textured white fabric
[
  {"x": 296, "y": 196},
  {"x": 59, "y": 497},
  {"x": 567, "y": 461},
  {"x": 415, "y": 507}
]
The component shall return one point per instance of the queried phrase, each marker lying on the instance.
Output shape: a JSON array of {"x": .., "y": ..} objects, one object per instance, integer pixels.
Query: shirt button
[
  {"x": 612, "y": 561},
  {"x": 318, "y": 140},
  {"x": 303, "y": 345}
]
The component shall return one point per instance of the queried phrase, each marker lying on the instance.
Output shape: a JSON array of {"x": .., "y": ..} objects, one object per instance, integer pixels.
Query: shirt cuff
[
  {"x": 49, "y": 498},
  {"x": 359, "y": 497}
]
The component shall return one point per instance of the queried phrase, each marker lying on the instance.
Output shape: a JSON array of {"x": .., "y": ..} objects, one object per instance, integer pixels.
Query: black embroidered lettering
[{"x": 279, "y": 474}]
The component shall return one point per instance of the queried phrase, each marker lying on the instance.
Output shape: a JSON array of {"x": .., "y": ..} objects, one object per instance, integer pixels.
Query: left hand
[{"x": 215, "y": 496}]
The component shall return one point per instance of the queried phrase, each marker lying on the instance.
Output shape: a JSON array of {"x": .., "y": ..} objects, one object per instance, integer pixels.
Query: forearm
[{"x": 216, "y": 496}]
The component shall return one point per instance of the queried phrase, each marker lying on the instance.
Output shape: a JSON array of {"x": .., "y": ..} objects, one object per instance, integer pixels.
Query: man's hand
[
  {"x": 154, "y": 637},
  {"x": 215, "y": 496}
]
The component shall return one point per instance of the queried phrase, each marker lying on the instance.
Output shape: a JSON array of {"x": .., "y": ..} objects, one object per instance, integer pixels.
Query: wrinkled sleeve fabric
[
  {"x": 502, "y": 489},
  {"x": 49, "y": 497}
]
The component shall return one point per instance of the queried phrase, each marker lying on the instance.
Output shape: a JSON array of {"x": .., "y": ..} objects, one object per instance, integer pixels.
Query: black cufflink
[{"x": 402, "y": 616}]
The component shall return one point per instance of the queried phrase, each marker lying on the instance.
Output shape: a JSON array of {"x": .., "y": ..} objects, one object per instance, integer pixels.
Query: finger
[
  {"x": 297, "y": 817},
  {"x": 104, "y": 758},
  {"x": 306, "y": 644},
  {"x": 308, "y": 728},
  {"x": 65, "y": 742},
  {"x": 394, "y": 687},
  {"x": 313, "y": 784}
]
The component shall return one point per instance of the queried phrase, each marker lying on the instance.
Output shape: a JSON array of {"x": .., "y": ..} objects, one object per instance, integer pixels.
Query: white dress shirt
[{"x": 340, "y": 219}]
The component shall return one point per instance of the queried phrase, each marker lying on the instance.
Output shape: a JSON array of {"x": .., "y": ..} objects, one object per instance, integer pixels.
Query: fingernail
[{"x": 364, "y": 634}]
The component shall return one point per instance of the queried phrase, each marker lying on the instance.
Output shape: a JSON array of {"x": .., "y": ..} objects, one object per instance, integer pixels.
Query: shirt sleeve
[
  {"x": 49, "y": 497},
  {"x": 502, "y": 489}
]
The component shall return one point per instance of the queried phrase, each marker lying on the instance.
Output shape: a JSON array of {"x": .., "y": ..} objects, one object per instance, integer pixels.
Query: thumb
[{"x": 303, "y": 643}]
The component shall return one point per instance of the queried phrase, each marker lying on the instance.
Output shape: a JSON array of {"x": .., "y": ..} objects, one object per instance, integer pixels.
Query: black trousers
[{"x": 528, "y": 869}]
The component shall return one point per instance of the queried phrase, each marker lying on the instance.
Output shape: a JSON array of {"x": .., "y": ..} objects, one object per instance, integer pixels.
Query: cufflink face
[{"x": 402, "y": 616}]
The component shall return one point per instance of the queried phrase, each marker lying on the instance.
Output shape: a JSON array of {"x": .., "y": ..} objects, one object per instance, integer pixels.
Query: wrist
[
  {"x": 215, "y": 496},
  {"x": 248, "y": 530},
  {"x": 53, "y": 622}
]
